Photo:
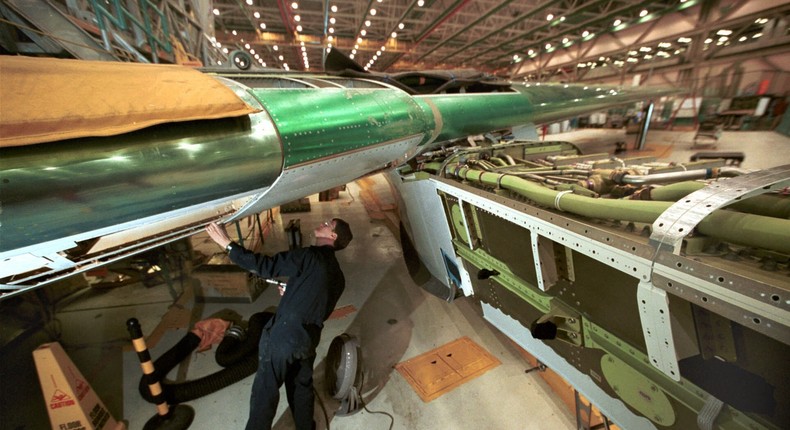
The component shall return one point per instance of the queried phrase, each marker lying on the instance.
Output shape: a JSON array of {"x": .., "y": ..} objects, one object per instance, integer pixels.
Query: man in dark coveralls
[{"x": 286, "y": 351}]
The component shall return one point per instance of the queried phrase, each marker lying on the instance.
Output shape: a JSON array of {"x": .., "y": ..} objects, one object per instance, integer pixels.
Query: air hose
[{"x": 238, "y": 356}]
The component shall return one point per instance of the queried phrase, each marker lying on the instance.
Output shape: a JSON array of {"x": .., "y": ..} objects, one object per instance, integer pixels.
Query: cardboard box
[
  {"x": 71, "y": 402},
  {"x": 226, "y": 283}
]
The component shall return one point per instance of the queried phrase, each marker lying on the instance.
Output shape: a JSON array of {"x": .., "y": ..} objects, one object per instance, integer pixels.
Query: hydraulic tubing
[
  {"x": 771, "y": 205},
  {"x": 660, "y": 178},
  {"x": 603, "y": 181},
  {"x": 745, "y": 229}
]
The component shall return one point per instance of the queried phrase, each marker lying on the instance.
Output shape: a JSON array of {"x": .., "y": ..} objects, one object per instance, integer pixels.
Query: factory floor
[{"x": 393, "y": 318}]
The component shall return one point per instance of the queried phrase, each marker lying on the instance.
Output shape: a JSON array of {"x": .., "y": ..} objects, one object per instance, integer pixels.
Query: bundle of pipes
[{"x": 761, "y": 221}]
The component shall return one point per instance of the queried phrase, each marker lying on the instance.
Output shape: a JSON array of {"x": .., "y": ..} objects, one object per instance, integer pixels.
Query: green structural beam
[{"x": 530, "y": 293}]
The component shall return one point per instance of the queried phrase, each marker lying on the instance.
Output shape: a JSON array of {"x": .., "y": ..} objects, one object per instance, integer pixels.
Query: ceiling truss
[{"x": 569, "y": 40}]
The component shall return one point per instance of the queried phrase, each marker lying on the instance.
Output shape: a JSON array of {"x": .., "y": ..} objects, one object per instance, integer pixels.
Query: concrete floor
[
  {"x": 763, "y": 149},
  {"x": 394, "y": 320}
]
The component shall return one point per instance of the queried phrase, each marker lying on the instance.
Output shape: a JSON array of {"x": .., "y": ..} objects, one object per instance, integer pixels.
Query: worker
[{"x": 286, "y": 351}]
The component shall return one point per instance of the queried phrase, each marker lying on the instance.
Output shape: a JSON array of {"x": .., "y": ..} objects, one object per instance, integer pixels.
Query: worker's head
[
  {"x": 336, "y": 231},
  {"x": 343, "y": 232}
]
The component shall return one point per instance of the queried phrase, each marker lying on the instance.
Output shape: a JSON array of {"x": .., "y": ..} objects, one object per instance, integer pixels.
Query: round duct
[{"x": 344, "y": 374}]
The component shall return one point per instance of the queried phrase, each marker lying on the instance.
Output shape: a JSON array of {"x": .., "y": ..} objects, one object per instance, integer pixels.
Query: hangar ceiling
[
  {"x": 568, "y": 40},
  {"x": 534, "y": 39}
]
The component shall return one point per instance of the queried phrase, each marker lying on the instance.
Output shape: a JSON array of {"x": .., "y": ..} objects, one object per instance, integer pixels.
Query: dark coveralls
[{"x": 286, "y": 351}]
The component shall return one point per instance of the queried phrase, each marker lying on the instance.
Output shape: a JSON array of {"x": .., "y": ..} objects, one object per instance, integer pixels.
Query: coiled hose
[{"x": 238, "y": 357}]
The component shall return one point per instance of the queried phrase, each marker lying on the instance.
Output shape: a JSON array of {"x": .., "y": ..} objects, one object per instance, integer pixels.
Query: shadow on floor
[{"x": 384, "y": 328}]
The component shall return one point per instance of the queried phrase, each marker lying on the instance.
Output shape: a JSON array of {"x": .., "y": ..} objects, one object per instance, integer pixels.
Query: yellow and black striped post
[{"x": 177, "y": 417}]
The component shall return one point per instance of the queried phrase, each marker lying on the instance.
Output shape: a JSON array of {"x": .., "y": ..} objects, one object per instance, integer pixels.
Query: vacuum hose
[{"x": 238, "y": 356}]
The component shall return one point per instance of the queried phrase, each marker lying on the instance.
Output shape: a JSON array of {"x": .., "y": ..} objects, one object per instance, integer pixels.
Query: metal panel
[
  {"x": 430, "y": 233},
  {"x": 582, "y": 382},
  {"x": 314, "y": 124},
  {"x": 744, "y": 303},
  {"x": 682, "y": 217}
]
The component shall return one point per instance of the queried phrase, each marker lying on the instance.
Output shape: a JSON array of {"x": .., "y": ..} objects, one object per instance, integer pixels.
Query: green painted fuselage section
[
  {"x": 317, "y": 123},
  {"x": 67, "y": 189}
]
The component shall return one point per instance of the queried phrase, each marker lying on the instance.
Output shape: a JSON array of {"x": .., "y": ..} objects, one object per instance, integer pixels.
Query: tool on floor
[{"x": 176, "y": 417}]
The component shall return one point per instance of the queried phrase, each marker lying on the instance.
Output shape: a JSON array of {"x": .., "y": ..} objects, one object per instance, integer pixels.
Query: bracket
[
  {"x": 682, "y": 217},
  {"x": 657, "y": 329},
  {"x": 569, "y": 326}
]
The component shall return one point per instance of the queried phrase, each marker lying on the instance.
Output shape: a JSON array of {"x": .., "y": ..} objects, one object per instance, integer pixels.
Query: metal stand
[
  {"x": 540, "y": 368},
  {"x": 584, "y": 415},
  {"x": 178, "y": 417},
  {"x": 641, "y": 138},
  {"x": 583, "y": 412},
  {"x": 294, "y": 233}
]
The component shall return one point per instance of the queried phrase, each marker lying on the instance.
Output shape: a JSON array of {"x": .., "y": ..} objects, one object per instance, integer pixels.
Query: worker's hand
[
  {"x": 218, "y": 234},
  {"x": 281, "y": 290}
]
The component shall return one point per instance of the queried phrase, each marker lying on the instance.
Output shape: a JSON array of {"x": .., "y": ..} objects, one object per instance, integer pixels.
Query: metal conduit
[{"x": 660, "y": 178}]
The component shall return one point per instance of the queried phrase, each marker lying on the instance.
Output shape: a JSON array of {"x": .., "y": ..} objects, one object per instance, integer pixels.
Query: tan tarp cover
[{"x": 48, "y": 99}]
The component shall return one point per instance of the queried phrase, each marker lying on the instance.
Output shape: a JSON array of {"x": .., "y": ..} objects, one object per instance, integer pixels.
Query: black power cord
[
  {"x": 365, "y": 407},
  {"x": 323, "y": 408}
]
